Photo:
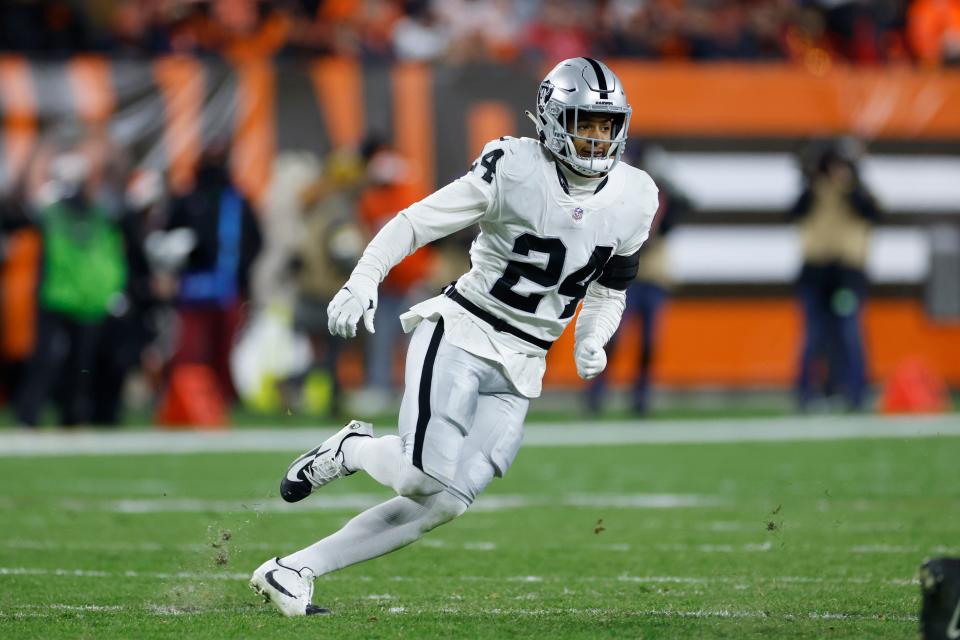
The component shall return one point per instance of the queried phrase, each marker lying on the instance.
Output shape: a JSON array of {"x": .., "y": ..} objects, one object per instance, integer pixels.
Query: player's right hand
[{"x": 357, "y": 299}]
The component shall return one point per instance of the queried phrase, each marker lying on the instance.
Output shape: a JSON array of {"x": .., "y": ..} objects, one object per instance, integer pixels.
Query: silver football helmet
[{"x": 574, "y": 87}]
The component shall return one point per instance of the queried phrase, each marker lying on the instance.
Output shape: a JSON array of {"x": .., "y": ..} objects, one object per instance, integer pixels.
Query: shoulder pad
[
  {"x": 637, "y": 176},
  {"x": 506, "y": 156},
  {"x": 642, "y": 185}
]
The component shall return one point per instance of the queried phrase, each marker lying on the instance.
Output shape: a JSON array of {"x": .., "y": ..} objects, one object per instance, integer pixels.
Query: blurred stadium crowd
[
  {"x": 135, "y": 279},
  {"x": 807, "y": 31}
]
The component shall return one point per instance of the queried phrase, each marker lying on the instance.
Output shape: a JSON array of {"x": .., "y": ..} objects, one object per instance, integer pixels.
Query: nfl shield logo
[{"x": 578, "y": 214}]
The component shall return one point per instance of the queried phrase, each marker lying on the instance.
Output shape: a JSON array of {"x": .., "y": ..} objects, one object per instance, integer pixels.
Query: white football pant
[{"x": 461, "y": 424}]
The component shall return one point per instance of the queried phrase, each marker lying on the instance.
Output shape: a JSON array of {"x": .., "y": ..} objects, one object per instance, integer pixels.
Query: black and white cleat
[
  {"x": 286, "y": 588},
  {"x": 322, "y": 464}
]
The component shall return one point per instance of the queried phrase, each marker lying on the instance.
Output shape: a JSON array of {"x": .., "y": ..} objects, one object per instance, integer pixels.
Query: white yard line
[{"x": 59, "y": 443}]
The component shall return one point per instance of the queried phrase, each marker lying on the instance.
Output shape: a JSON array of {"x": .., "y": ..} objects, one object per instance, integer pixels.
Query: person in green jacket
[{"x": 84, "y": 272}]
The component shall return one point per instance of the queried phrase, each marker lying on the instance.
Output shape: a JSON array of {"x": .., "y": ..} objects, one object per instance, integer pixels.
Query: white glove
[
  {"x": 590, "y": 357},
  {"x": 357, "y": 298}
]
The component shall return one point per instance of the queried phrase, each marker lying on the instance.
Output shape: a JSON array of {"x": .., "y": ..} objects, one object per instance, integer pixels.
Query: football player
[{"x": 561, "y": 221}]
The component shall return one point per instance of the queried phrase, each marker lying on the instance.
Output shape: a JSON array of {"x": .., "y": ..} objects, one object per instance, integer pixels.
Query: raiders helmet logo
[{"x": 543, "y": 95}]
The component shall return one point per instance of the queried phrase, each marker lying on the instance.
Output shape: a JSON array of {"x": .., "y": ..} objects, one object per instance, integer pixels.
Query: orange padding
[
  {"x": 19, "y": 275},
  {"x": 790, "y": 100},
  {"x": 730, "y": 342},
  {"x": 193, "y": 400}
]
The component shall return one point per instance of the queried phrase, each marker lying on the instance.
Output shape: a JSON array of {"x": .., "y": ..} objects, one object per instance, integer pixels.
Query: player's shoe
[
  {"x": 287, "y": 589},
  {"x": 940, "y": 586},
  {"x": 321, "y": 465}
]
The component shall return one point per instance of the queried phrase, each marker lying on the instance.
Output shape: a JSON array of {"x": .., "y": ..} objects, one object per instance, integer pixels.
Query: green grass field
[{"x": 722, "y": 540}]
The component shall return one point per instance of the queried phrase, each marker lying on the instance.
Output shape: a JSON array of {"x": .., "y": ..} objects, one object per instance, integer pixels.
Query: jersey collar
[{"x": 565, "y": 185}]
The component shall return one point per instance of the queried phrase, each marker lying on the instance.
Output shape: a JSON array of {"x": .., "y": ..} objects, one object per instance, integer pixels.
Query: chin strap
[
  {"x": 580, "y": 171},
  {"x": 540, "y": 134}
]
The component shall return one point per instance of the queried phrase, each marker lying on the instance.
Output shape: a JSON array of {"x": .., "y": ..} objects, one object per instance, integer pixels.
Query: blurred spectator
[
  {"x": 721, "y": 32},
  {"x": 934, "y": 31},
  {"x": 861, "y": 31},
  {"x": 316, "y": 25},
  {"x": 645, "y": 30},
  {"x": 767, "y": 23},
  {"x": 835, "y": 213},
  {"x": 131, "y": 325},
  {"x": 648, "y": 293},
  {"x": 329, "y": 247},
  {"x": 237, "y": 29},
  {"x": 419, "y": 35},
  {"x": 137, "y": 27},
  {"x": 479, "y": 29},
  {"x": 561, "y": 30},
  {"x": 248, "y": 29},
  {"x": 807, "y": 42},
  {"x": 84, "y": 274},
  {"x": 216, "y": 277},
  {"x": 389, "y": 190},
  {"x": 374, "y": 25},
  {"x": 57, "y": 27}
]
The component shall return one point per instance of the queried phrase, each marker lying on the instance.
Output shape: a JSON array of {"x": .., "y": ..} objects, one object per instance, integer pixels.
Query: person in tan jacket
[
  {"x": 331, "y": 241},
  {"x": 835, "y": 214}
]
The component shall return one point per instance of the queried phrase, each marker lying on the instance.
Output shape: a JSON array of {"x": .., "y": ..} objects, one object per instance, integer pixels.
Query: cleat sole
[{"x": 314, "y": 610}]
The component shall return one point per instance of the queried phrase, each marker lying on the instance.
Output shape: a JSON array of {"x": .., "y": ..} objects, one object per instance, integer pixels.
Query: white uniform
[
  {"x": 549, "y": 238},
  {"x": 538, "y": 248},
  {"x": 467, "y": 382}
]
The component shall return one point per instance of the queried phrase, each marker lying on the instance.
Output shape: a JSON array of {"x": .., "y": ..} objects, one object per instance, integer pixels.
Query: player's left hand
[
  {"x": 357, "y": 299},
  {"x": 590, "y": 357}
]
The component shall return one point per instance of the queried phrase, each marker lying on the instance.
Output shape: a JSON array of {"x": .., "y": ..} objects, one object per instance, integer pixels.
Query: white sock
[
  {"x": 381, "y": 458},
  {"x": 378, "y": 530}
]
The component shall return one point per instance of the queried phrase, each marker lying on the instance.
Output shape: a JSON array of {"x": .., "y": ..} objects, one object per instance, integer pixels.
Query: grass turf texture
[{"x": 797, "y": 540}]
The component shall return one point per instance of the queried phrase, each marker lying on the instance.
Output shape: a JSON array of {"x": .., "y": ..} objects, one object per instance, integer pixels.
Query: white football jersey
[
  {"x": 537, "y": 251},
  {"x": 538, "y": 247}
]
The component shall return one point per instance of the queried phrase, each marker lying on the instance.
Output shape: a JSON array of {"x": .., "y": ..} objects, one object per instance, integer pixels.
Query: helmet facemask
[
  {"x": 594, "y": 161},
  {"x": 574, "y": 88}
]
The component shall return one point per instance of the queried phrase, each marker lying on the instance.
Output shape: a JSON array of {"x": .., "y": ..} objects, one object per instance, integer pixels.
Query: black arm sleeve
[{"x": 620, "y": 271}]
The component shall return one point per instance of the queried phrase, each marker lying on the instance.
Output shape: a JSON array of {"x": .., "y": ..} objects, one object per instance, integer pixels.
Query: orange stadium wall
[
  {"x": 746, "y": 342},
  {"x": 784, "y": 101}
]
